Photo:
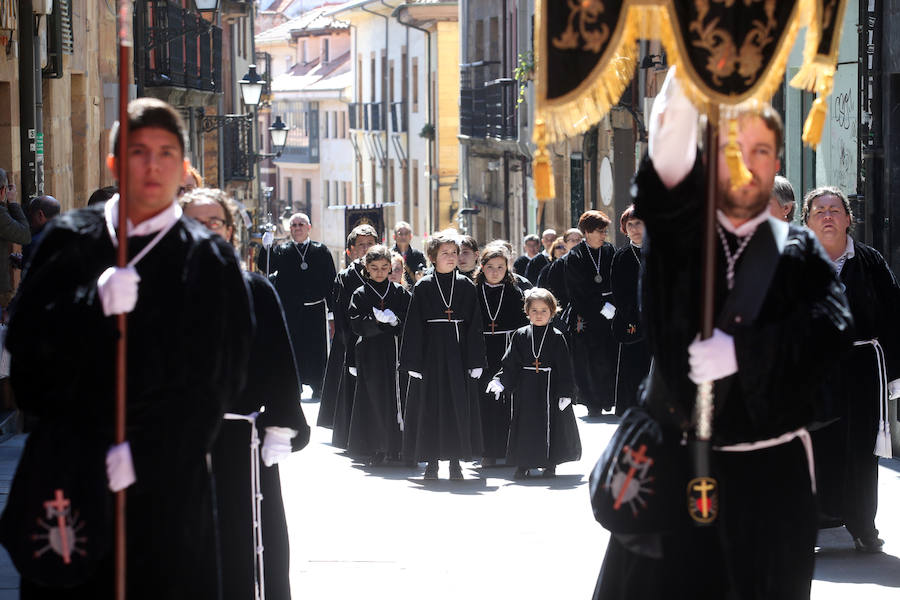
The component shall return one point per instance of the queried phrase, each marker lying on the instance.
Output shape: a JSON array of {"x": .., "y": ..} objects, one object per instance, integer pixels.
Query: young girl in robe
[
  {"x": 538, "y": 375},
  {"x": 376, "y": 313},
  {"x": 443, "y": 353},
  {"x": 501, "y": 302}
]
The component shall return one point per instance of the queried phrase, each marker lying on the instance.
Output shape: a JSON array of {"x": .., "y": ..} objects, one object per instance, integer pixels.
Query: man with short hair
[
  {"x": 337, "y": 405},
  {"x": 40, "y": 211},
  {"x": 847, "y": 450},
  {"x": 781, "y": 204},
  {"x": 529, "y": 265},
  {"x": 547, "y": 238},
  {"x": 772, "y": 345},
  {"x": 413, "y": 260},
  {"x": 303, "y": 272},
  {"x": 13, "y": 230},
  {"x": 188, "y": 336}
]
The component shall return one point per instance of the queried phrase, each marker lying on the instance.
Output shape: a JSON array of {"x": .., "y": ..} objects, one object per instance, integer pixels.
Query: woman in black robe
[
  {"x": 538, "y": 375},
  {"x": 443, "y": 352},
  {"x": 634, "y": 354},
  {"x": 502, "y": 313},
  {"x": 377, "y": 312},
  {"x": 587, "y": 276},
  {"x": 272, "y": 392}
]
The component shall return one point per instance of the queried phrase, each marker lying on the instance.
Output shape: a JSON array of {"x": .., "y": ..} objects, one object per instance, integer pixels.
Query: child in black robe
[
  {"x": 443, "y": 352},
  {"x": 501, "y": 304},
  {"x": 377, "y": 311},
  {"x": 538, "y": 374}
]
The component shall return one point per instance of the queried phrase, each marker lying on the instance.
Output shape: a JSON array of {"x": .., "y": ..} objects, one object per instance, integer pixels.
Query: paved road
[{"x": 384, "y": 533}]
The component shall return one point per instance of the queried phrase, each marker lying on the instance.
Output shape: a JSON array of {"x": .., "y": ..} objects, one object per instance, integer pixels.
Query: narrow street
[{"x": 385, "y": 533}]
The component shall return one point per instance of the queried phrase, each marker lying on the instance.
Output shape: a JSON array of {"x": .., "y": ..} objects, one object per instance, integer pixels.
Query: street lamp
[
  {"x": 251, "y": 87},
  {"x": 206, "y": 5},
  {"x": 278, "y": 132}
]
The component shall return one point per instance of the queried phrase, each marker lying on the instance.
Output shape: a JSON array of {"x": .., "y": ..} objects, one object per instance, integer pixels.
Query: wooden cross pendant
[
  {"x": 493, "y": 327},
  {"x": 382, "y": 305},
  {"x": 537, "y": 365},
  {"x": 449, "y": 313}
]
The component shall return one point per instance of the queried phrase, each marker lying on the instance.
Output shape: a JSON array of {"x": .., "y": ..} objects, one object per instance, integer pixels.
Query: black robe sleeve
[
  {"x": 414, "y": 330},
  {"x": 272, "y": 379},
  {"x": 511, "y": 372}
]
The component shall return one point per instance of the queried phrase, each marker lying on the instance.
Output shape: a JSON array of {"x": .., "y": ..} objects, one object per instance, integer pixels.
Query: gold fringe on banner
[
  {"x": 544, "y": 187},
  {"x": 738, "y": 172}
]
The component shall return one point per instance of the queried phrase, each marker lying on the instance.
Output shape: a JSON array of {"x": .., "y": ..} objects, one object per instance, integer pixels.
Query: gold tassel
[
  {"x": 737, "y": 170},
  {"x": 544, "y": 187},
  {"x": 815, "y": 123}
]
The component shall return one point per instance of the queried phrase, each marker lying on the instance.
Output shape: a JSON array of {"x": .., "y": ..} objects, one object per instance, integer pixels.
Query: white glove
[
  {"x": 267, "y": 239},
  {"x": 609, "y": 311},
  {"x": 379, "y": 315},
  {"x": 276, "y": 445},
  {"x": 118, "y": 289},
  {"x": 563, "y": 403},
  {"x": 476, "y": 373},
  {"x": 120, "y": 467},
  {"x": 352, "y": 370},
  {"x": 391, "y": 317},
  {"x": 712, "y": 359},
  {"x": 894, "y": 389},
  {"x": 415, "y": 374},
  {"x": 495, "y": 387},
  {"x": 672, "y": 133}
]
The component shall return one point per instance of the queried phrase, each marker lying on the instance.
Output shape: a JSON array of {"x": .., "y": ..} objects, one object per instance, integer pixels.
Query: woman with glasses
[{"x": 273, "y": 386}]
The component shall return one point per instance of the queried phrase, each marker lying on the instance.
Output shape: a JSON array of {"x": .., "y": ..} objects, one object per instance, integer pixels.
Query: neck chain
[
  {"x": 381, "y": 297},
  {"x": 730, "y": 258},
  {"x": 437, "y": 282},
  {"x": 598, "y": 278},
  {"x": 494, "y": 316},
  {"x": 634, "y": 253},
  {"x": 303, "y": 264},
  {"x": 537, "y": 355}
]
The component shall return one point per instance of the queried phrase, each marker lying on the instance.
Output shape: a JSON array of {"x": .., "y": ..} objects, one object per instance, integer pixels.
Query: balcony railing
[
  {"x": 489, "y": 111},
  {"x": 353, "y": 115},
  {"x": 376, "y": 116},
  {"x": 239, "y": 159},
  {"x": 370, "y": 116},
  {"x": 181, "y": 48},
  {"x": 398, "y": 117},
  {"x": 300, "y": 154}
]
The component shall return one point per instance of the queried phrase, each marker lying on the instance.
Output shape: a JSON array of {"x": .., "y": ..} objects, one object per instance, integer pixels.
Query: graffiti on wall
[{"x": 843, "y": 113}]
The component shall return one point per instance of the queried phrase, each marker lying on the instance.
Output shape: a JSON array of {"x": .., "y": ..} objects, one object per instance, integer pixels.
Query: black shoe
[
  {"x": 549, "y": 472},
  {"x": 488, "y": 462},
  {"x": 870, "y": 543},
  {"x": 455, "y": 470},
  {"x": 431, "y": 471},
  {"x": 521, "y": 473},
  {"x": 377, "y": 459},
  {"x": 595, "y": 412}
]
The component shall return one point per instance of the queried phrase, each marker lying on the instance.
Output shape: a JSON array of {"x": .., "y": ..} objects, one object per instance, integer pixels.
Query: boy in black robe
[
  {"x": 538, "y": 374},
  {"x": 587, "y": 277},
  {"x": 189, "y": 327},
  {"x": 349, "y": 280},
  {"x": 377, "y": 312},
  {"x": 847, "y": 450},
  {"x": 634, "y": 355},
  {"x": 272, "y": 393},
  {"x": 501, "y": 304},
  {"x": 765, "y": 369},
  {"x": 303, "y": 273},
  {"x": 443, "y": 352}
]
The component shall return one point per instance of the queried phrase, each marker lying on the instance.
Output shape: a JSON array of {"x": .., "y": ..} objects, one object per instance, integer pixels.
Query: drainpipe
[
  {"x": 432, "y": 197},
  {"x": 30, "y": 103}
]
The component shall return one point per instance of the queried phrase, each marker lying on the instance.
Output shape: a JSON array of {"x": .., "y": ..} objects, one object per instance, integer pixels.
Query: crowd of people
[{"x": 458, "y": 353}]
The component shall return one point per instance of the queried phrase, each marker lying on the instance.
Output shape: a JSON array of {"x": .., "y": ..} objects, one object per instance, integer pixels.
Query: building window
[
  {"x": 337, "y": 194},
  {"x": 414, "y": 83},
  {"x": 326, "y": 189},
  {"x": 303, "y": 55},
  {"x": 415, "y": 183},
  {"x": 290, "y": 191},
  {"x": 325, "y": 125},
  {"x": 287, "y": 64},
  {"x": 325, "y": 50}
]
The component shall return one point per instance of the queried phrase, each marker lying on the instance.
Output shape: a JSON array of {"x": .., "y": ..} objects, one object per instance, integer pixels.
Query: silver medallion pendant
[
  {"x": 598, "y": 278},
  {"x": 304, "y": 266}
]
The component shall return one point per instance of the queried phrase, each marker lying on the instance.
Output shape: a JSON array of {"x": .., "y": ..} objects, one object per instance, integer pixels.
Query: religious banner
[
  {"x": 726, "y": 53},
  {"x": 368, "y": 214}
]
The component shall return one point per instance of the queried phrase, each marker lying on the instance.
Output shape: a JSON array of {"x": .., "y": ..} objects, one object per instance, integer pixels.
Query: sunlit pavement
[{"x": 385, "y": 533}]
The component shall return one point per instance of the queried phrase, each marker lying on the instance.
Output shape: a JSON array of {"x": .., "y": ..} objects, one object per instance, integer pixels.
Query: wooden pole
[{"x": 121, "y": 261}]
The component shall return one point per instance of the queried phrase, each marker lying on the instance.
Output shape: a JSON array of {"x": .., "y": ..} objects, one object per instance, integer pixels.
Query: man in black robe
[
  {"x": 336, "y": 410},
  {"x": 304, "y": 272},
  {"x": 529, "y": 265},
  {"x": 847, "y": 450},
  {"x": 413, "y": 260},
  {"x": 189, "y": 326},
  {"x": 764, "y": 369}
]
